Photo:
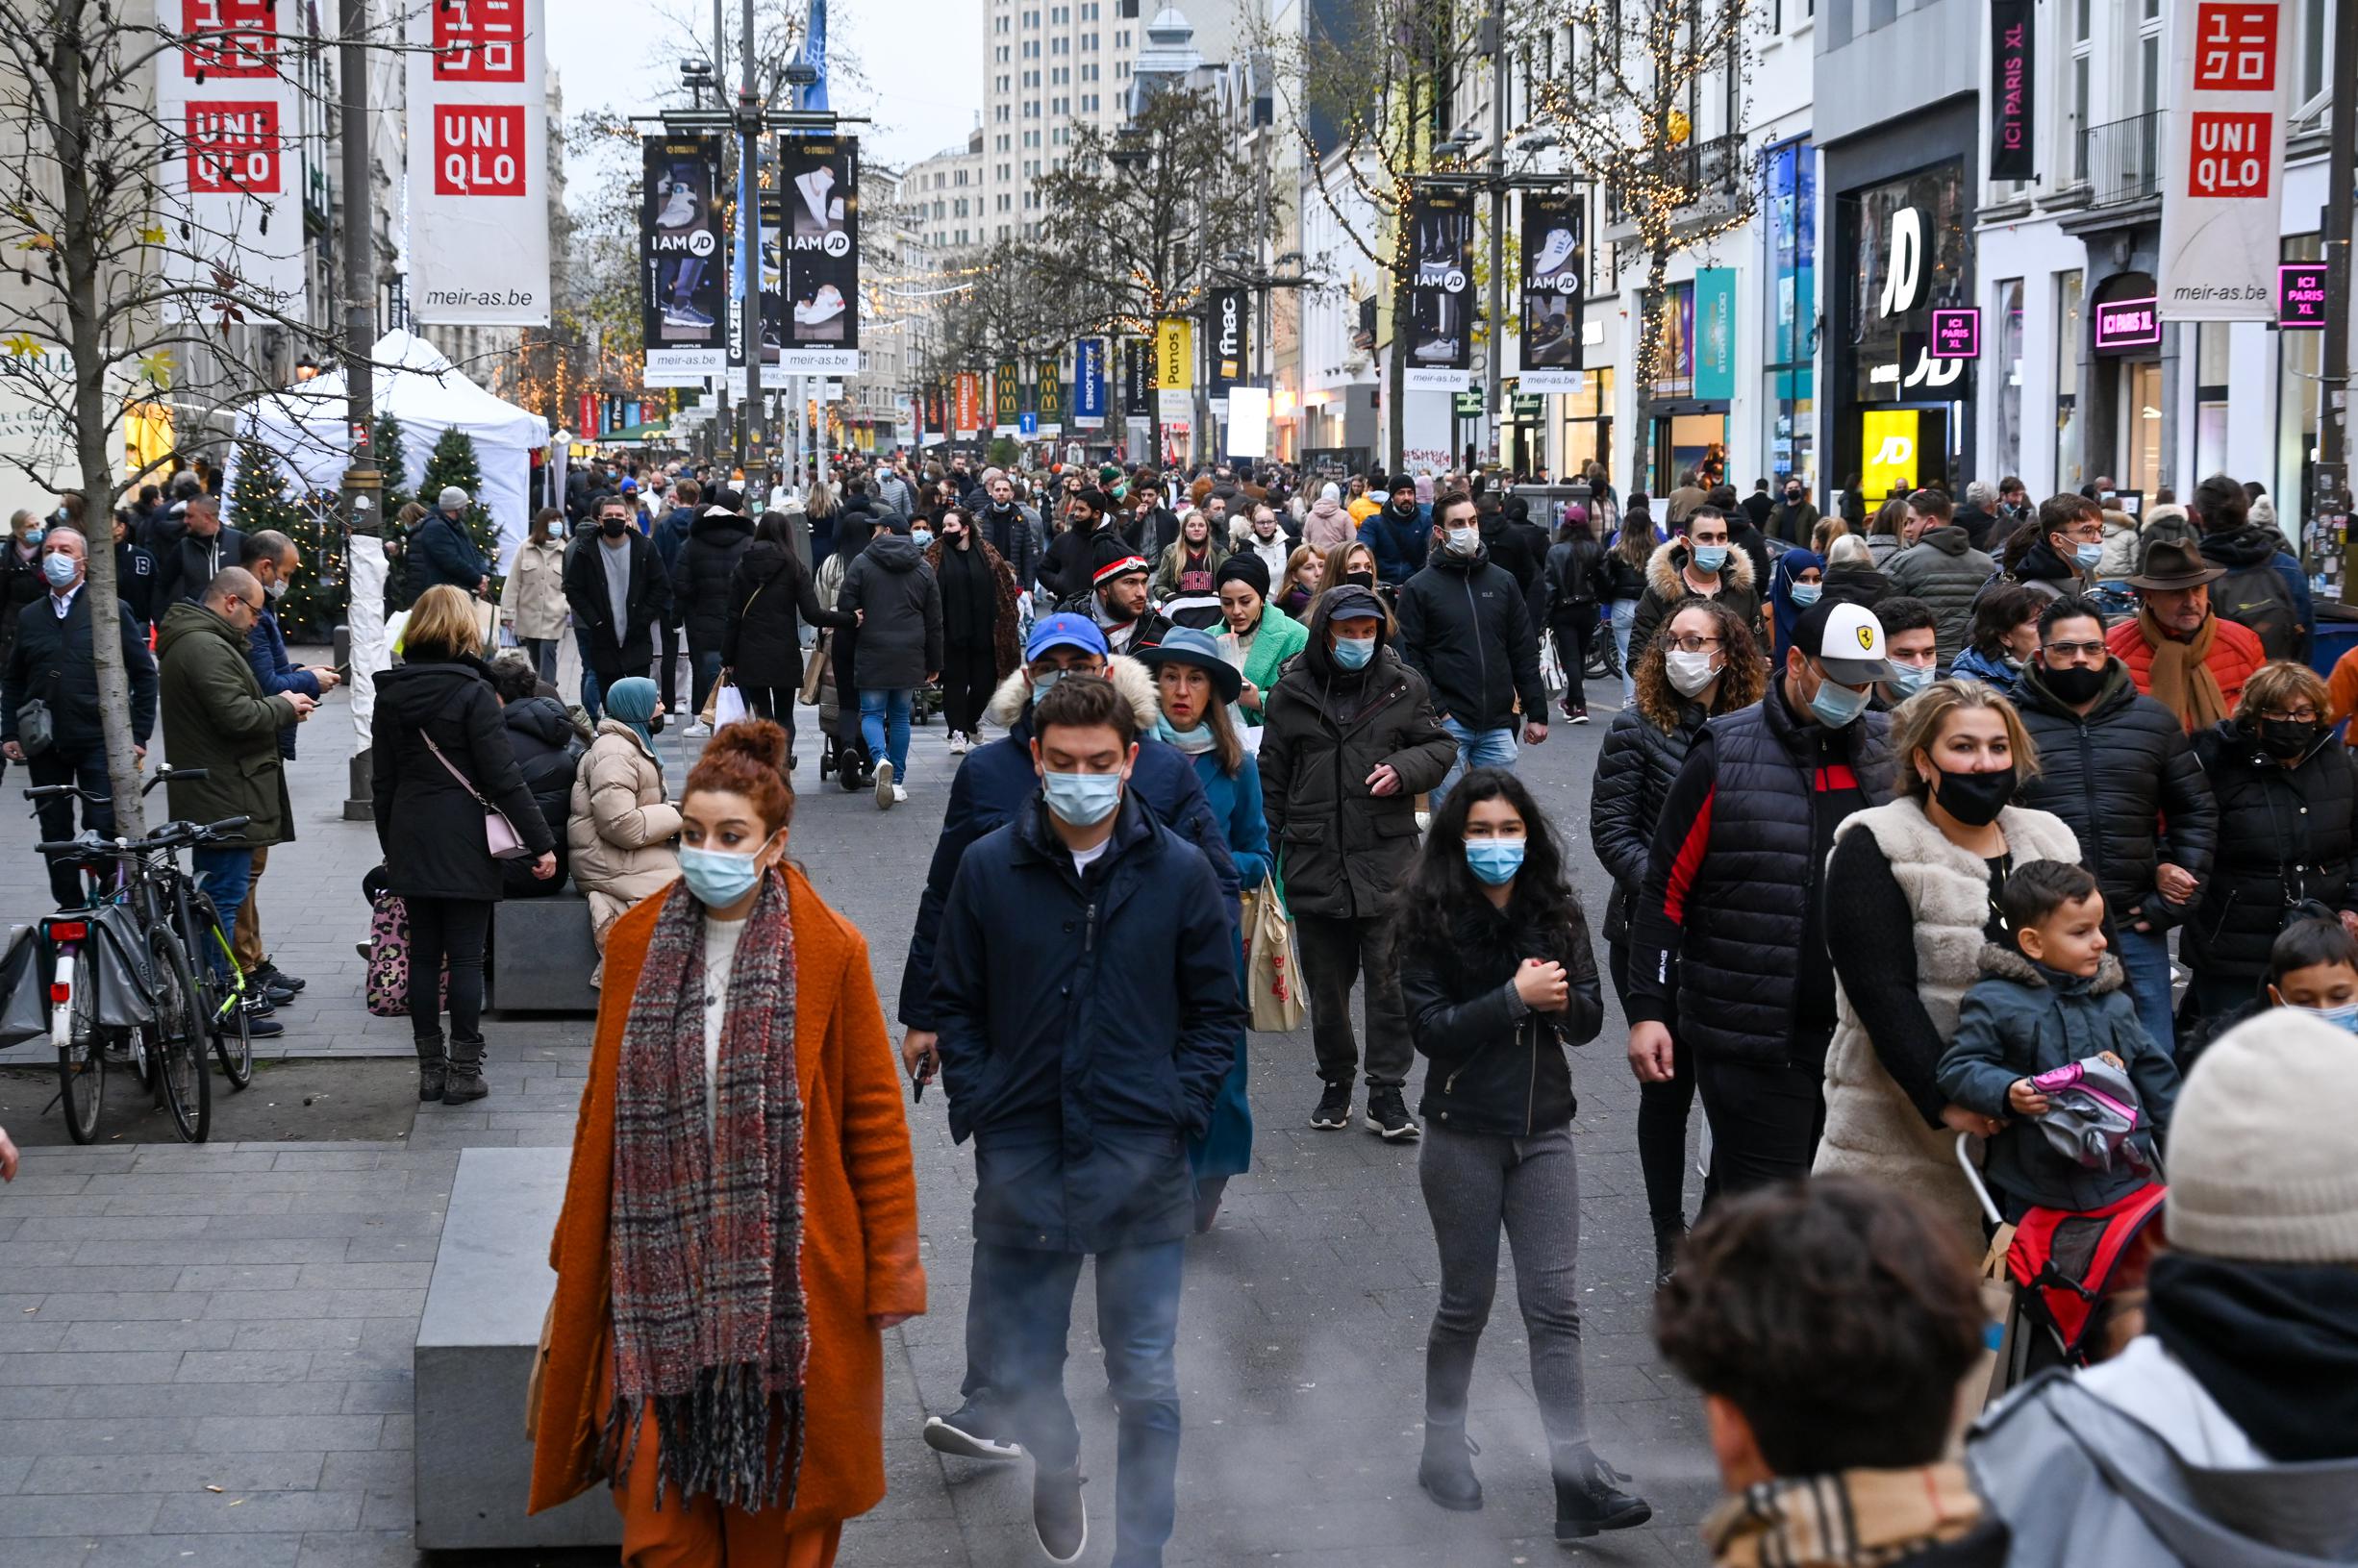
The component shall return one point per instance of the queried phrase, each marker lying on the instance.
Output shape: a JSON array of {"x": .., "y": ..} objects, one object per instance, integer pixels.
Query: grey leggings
[{"x": 1474, "y": 1184}]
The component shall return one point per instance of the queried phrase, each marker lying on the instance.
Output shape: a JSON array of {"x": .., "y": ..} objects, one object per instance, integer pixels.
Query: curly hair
[
  {"x": 748, "y": 759},
  {"x": 1741, "y": 684}
]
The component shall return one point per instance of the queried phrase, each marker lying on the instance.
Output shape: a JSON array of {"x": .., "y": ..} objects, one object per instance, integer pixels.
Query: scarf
[
  {"x": 2181, "y": 679},
  {"x": 2275, "y": 1344},
  {"x": 1194, "y": 742},
  {"x": 1850, "y": 1519},
  {"x": 711, "y": 1327}
]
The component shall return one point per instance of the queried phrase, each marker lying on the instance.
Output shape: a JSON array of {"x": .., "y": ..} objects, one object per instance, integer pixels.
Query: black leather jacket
[{"x": 1498, "y": 1068}]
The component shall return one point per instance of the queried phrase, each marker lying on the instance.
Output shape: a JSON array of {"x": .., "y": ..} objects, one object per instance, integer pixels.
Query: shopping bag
[
  {"x": 705, "y": 715},
  {"x": 388, "y": 987},
  {"x": 1551, "y": 669},
  {"x": 814, "y": 666},
  {"x": 728, "y": 706},
  {"x": 1273, "y": 962},
  {"x": 24, "y": 989}
]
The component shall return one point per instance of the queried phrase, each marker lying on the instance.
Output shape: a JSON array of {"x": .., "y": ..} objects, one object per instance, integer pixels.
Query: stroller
[
  {"x": 2055, "y": 1280},
  {"x": 923, "y": 704}
]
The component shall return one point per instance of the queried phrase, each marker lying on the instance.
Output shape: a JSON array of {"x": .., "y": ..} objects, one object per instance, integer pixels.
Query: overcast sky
[{"x": 923, "y": 59}]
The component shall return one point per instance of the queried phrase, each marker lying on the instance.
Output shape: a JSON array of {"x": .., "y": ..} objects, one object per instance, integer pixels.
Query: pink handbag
[
  {"x": 499, "y": 833},
  {"x": 388, "y": 958}
]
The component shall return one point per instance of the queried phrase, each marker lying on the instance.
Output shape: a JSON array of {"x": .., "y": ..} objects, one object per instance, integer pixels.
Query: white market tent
[{"x": 306, "y": 427}]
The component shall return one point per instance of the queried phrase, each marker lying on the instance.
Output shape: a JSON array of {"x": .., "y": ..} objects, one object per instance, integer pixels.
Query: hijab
[
  {"x": 1781, "y": 593},
  {"x": 632, "y": 701}
]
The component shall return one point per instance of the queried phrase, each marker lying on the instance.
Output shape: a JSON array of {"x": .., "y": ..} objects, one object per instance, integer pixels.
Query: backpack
[{"x": 2255, "y": 597}]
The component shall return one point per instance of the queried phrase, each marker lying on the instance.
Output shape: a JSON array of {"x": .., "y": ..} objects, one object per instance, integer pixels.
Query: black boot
[
  {"x": 1447, "y": 1471},
  {"x": 1589, "y": 1496},
  {"x": 432, "y": 1068},
  {"x": 1668, "y": 1234},
  {"x": 465, "y": 1082}
]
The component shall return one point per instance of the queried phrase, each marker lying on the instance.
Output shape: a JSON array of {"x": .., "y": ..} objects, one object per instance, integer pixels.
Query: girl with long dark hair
[{"x": 1496, "y": 966}]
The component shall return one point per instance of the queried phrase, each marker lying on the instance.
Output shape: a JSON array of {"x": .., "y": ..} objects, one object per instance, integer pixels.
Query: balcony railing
[
  {"x": 1707, "y": 169},
  {"x": 2118, "y": 160}
]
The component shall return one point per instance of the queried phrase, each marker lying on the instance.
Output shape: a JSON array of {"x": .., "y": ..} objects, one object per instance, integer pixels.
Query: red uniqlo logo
[
  {"x": 479, "y": 151},
  {"x": 2235, "y": 48},
  {"x": 234, "y": 148},
  {"x": 2229, "y": 154},
  {"x": 228, "y": 38},
  {"x": 478, "y": 40}
]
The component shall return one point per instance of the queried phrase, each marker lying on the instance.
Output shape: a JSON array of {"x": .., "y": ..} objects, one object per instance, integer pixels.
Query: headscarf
[
  {"x": 1780, "y": 594},
  {"x": 632, "y": 701}
]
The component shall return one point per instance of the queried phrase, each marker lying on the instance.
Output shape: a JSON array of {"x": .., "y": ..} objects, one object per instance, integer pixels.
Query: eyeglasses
[
  {"x": 1693, "y": 644},
  {"x": 2075, "y": 650},
  {"x": 2089, "y": 533},
  {"x": 2298, "y": 715}
]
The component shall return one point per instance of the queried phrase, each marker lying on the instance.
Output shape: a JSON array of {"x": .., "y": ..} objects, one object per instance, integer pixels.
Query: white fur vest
[{"x": 1872, "y": 1130}]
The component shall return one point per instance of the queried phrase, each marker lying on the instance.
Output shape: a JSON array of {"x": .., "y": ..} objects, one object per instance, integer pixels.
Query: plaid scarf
[
  {"x": 710, "y": 1328},
  {"x": 1851, "y": 1519}
]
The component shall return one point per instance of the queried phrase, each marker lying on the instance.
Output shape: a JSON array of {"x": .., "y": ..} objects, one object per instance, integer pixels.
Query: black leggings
[
  {"x": 1575, "y": 627},
  {"x": 1661, "y": 1113},
  {"x": 448, "y": 929},
  {"x": 968, "y": 676},
  {"x": 775, "y": 703}
]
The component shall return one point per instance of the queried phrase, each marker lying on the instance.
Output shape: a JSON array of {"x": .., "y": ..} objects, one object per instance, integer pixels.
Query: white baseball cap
[{"x": 1845, "y": 639}]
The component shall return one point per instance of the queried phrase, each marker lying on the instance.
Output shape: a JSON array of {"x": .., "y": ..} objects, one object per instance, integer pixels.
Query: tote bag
[
  {"x": 1273, "y": 962},
  {"x": 388, "y": 989}
]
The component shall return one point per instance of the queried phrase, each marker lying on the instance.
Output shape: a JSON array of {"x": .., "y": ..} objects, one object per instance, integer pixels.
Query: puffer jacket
[
  {"x": 2119, "y": 546},
  {"x": 1342, "y": 851},
  {"x": 1944, "y": 570},
  {"x": 532, "y": 599},
  {"x": 2284, "y": 834},
  {"x": 621, "y": 830},
  {"x": 2235, "y": 657},
  {"x": 900, "y": 640},
  {"x": 1665, "y": 589},
  {"x": 1466, "y": 627},
  {"x": 428, "y": 822},
  {"x": 2116, "y": 776},
  {"x": 1327, "y": 525},
  {"x": 1634, "y": 771},
  {"x": 1497, "y": 1066},
  {"x": 716, "y": 542}
]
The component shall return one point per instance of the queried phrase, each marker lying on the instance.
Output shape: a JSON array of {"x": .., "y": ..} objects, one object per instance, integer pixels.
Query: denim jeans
[
  {"x": 1030, "y": 1301},
  {"x": 85, "y": 770},
  {"x": 1625, "y": 617},
  {"x": 1477, "y": 749},
  {"x": 589, "y": 689},
  {"x": 224, "y": 874},
  {"x": 2145, "y": 956},
  {"x": 884, "y": 725},
  {"x": 542, "y": 652},
  {"x": 704, "y": 672}
]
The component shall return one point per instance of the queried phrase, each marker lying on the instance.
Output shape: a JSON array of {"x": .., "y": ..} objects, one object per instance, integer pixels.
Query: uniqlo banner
[
  {"x": 2222, "y": 179},
  {"x": 818, "y": 254},
  {"x": 478, "y": 136},
  {"x": 682, "y": 287},
  {"x": 1231, "y": 353},
  {"x": 1048, "y": 398},
  {"x": 1555, "y": 262},
  {"x": 967, "y": 423},
  {"x": 229, "y": 194},
  {"x": 1437, "y": 333},
  {"x": 2014, "y": 43},
  {"x": 1089, "y": 384},
  {"x": 1006, "y": 398}
]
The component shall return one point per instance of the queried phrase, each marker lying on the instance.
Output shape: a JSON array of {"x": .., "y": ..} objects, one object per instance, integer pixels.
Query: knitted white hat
[{"x": 2258, "y": 1159}]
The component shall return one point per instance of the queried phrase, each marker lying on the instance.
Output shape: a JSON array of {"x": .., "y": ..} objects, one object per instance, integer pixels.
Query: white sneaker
[
  {"x": 899, "y": 794},
  {"x": 887, "y": 792},
  {"x": 697, "y": 730},
  {"x": 1553, "y": 253},
  {"x": 958, "y": 743},
  {"x": 824, "y": 305},
  {"x": 678, "y": 208},
  {"x": 814, "y": 187}
]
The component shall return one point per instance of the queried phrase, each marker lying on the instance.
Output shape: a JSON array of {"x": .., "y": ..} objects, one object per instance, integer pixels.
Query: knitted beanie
[{"x": 2258, "y": 1157}]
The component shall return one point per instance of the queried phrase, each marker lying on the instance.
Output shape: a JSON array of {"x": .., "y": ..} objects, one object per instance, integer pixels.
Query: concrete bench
[
  {"x": 542, "y": 956},
  {"x": 475, "y": 1346}
]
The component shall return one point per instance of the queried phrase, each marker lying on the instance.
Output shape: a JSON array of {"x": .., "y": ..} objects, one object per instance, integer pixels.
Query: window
[
  {"x": 2079, "y": 104},
  {"x": 1061, "y": 106},
  {"x": 2316, "y": 44},
  {"x": 1030, "y": 48},
  {"x": 1088, "y": 73},
  {"x": 1001, "y": 80},
  {"x": 1089, "y": 103},
  {"x": 2071, "y": 342},
  {"x": 1089, "y": 43},
  {"x": 1127, "y": 10},
  {"x": 998, "y": 56},
  {"x": 2211, "y": 347},
  {"x": 1061, "y": 76},
  {"x": 1789, "y": 228},
  {"x": 1059, "y": 47},
  {"x": 2008, "y": 456}
]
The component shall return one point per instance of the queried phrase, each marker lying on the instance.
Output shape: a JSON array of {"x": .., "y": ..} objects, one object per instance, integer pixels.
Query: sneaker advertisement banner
[
  {"x": 478, "y": 139},
  {"x": 1436, "y": 328},
  {"x": 682, "y": 283},
  {"x": 1554, "y": 263},
  {"x": 226, "y": 116},
  {"x": 776, "y": 375},
  {"x": 818, "y": 253}
]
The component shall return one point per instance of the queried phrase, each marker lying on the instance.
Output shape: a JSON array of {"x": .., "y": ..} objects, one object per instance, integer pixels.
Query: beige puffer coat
[
  {"x": 532, "y": 601},
  {"x": 621, "y": 830}
]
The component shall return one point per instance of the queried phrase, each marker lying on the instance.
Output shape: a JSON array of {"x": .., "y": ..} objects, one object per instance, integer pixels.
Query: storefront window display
[
  {"x": 1907, "y": 247},
  {"x": 2210, "y": 397},
  {"x": 2071, "y": 342},
  {"x": 1790, "y": 173},
  {"x": 1587, "y": 422},
  {"x": 2008, "y": 458}
]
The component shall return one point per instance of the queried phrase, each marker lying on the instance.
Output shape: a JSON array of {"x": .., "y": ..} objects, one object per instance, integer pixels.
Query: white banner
[
  {"x": 2222, "y": 178},
  {"x": 230, "y": 201},
  {"x": 478, "y": 138}
]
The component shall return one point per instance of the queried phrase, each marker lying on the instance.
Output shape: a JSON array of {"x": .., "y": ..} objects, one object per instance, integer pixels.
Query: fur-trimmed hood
[
  {"x": 2005, "y": 963},
  {"x": 1132, "y": 679},
  {"x": 1663, "y": 568}
]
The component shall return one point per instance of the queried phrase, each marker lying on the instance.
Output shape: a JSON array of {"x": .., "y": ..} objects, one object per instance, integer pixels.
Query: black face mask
[
  {"x": 2288, "y": 737},
  {"x": 1974, "y": 799},
  {"x": 1365, "y": 580},
  {"x": 2077, "y": 684},
  {"x": 1792, "y": 498},
  {"x": 655, "y": 725},
  {"x": 613, "y": 528}
]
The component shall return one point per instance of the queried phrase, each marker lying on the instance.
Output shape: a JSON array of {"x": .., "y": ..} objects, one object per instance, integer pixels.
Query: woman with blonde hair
[
  {"x": 1916, "y": 882},
  {"x": 1828, "y": 530},
  {"x": 440, "y": 754},
  {"x": 1892, "y": 531},
  {"x": 739, "y": 1224},
  {"x": 1305, "y": 575}
]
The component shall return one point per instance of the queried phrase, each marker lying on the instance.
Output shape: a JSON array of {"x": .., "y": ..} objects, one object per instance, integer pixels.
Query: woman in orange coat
[{"x": 739, "y": 1225}]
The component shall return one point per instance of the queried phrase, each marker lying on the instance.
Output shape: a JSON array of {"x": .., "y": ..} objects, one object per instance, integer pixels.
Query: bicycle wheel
[
  {"x": 178, "y": 1040},
  {"x": 232, "y": 1042},
  {"x": 82, "y": 1068}
]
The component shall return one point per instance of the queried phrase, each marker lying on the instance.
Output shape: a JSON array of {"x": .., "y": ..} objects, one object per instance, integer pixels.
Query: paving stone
[
  {"x": 128, "y": 1473},
  {"x": 258, "y": 1512}
]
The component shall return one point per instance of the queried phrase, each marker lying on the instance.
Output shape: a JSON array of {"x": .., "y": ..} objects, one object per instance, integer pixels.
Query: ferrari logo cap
[{"x": 1845, "y": 639}]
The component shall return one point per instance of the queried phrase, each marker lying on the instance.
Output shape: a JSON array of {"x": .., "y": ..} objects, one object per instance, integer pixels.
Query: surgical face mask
[
  {"x": 1082, "y": 800},
  {"x": 1910, "y": 679},
  {"x": 921, "y": 538},
  {"x": 1792, "y": 498},
  {"x": 1691, "y": 673},
  {"x": 2089, "y": 556},
  {"x": 33, "y": 537},
  {"x": 1353, "y": 653},
  {"x": 1464, "y": 539},
  {"x": 59, "y": 568},
  {"x": 2343, "y": 1017},
  {"x": 1805, "y": 594},
  {"x": 718, "y": 879},
  {"x": 277, "y": 590},
  {"x": 1494, "y": 860},
  {"x": 1710, "y": 558},
  {"x": 1836, "y": 705}
]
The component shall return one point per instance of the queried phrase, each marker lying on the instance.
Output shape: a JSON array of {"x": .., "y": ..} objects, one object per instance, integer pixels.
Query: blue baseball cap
[{"x": 1065, "y": 630}]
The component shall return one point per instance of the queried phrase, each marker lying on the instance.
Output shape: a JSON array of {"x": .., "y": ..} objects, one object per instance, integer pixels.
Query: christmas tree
[
  {"x": 453, "y": 462},
  {"x": 258, "y": 501},
  {"x": 393, "y": 464}
]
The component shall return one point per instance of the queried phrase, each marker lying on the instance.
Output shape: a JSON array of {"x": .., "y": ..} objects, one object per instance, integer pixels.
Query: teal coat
[
  {"x": 1280, "y": 637},
  {"x": 1226, "y": 1146}
]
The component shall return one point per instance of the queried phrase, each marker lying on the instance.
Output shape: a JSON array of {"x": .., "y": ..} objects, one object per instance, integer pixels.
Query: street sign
[
  {"x": 1027, "y": 424},
  {"x": 1530, "y": 408},
  {"x": 1467, "y": 404}
]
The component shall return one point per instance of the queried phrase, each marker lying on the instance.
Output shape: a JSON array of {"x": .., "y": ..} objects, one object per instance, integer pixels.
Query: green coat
[
  {"x": 1280, "y": 637},
  {"x": 217, "y": 718}
]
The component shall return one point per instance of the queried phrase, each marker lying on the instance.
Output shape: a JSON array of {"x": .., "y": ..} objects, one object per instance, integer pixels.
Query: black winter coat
[
  {"x": 2284, "y": 834},
  {"x": 51, "y": 658},
  {"x": 1341, "y": 850},
  {"x": 1634, "y": 771},
  {"x": 442, "y": 551},
  {"x": 21, "y": 584},
  {"x": 135, "y": 581},
  {"x": 184, "y": 566},
  {"x": 1497, "y": 1066},
  {"x": 1466, "y": 627},
  {"x": 771, "y": 593},
  {"x": 428, "y": 827},
  {"x": 700, "y": 588},
  {"x": 1086, "y": 1023},
  {"x": 615, "y": 652},
  {"x": 1573, "y": 572},
  {"x": 2116, "y": 776},
  {"x": 900, "y": 640},
  {"x": 1617, "y": 580},
  {"x": 548, "y": 752}
]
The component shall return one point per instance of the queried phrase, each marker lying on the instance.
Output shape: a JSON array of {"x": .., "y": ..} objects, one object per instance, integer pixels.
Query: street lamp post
[{"x": 364, "y": 486}]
